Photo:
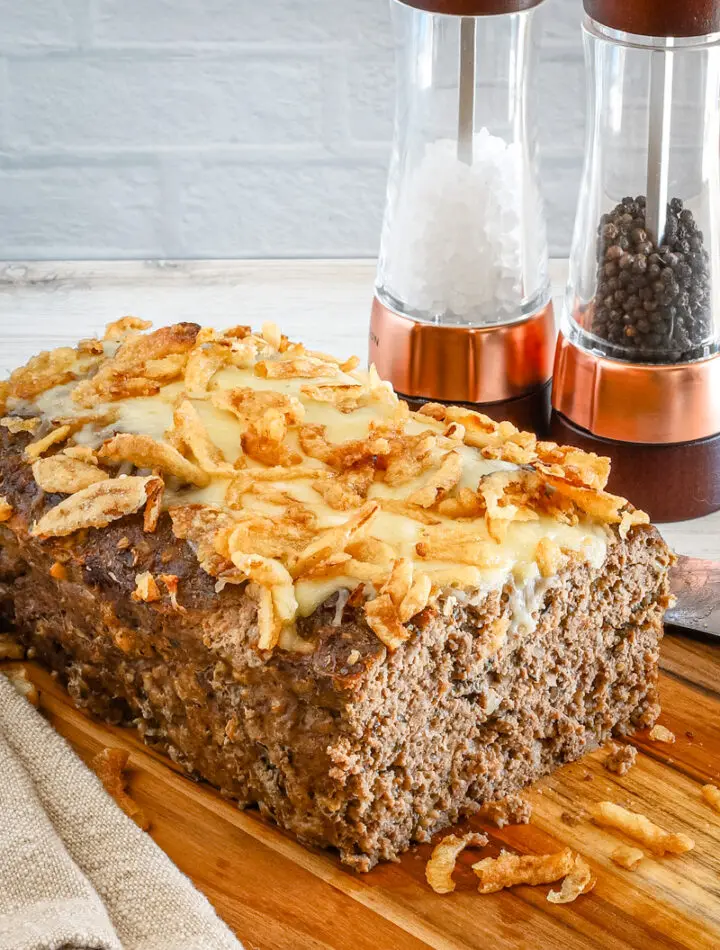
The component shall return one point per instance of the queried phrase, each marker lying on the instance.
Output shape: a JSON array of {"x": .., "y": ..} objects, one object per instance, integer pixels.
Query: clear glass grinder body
[
  {"x": 644, "y": 278},
  {"x": 463, "y": 239}
]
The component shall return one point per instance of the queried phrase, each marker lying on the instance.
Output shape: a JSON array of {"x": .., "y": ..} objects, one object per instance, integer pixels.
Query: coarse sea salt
[{"x": 452, "y": 238}]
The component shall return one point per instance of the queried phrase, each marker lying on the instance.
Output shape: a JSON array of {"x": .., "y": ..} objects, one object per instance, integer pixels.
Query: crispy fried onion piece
[
  {"x": 146, "y": 589},
  {"x": 277, "y": 605},
  {"x": 347, "y": 397},
  {"x": 199, "y": 525},
  {"x": 126, "y": 373},
  {"x": 267, "y": 450},
  {"x": 371, "y": 551},
  {"x": 711, "y": 794},
  {"x": 271, "y": 537},
  {"x": 66, "y": 475},
  {"x": 23, "y": 685},
  {"x": 95, "y": 506},
  {"x": 483, "y": 432},
  {"x": 503, "y": 441},
  {"x": 109, "y": 766},
  {"x": 342, "y": 455},
  {"x": 382, "y": 618},
  {"x": 153, "y": 508},
  {"x": 335, "y": 539},
  {"x": 265, "y": 416},
  {"x": 400, "y": 598},
  {"x": 440, "y": 482},
  {"x": 508, "y": 869},
  {"x": 83, "y": 453},
  {"x": 611, "y": 509},
  {"x": 507, "y": 497},
  {"x": 202, "y": 364},
  {"x": 433, "y": 410},
  {"x": 627, "y": 857},
  {"x": 270, "y": 332},
  {"x": 34, "y": 450},
  {"x": 6, "y": 509},
  {"x": 579, "y": 881},
  {"x": 347, "y": 366},
  {"x": 210, "y": 335},
  {"x": 439, "y": 869},
  {"x": 125, "y": 325},
  {"x": 397, "y": 506},
  {"x": 465, "y": 503},
  {"x": 462, "y": 545},
  {"x": 660, "y": 733},
  {"x": 144, "y": 452},
  {"x": 252, "y": 479},
  {"x": 189, "y": 433},
  {"x": 347, "y": 490},
  {"x": 171, "y": 582},
  {"x": 45, "y": 371},
  {"x": 631, "y": 517},
  {"x": 306, "y": 367},
  {"x": 10, "y": 648},
  {"x": 576, "y": 466},
  {"x": 410, "y": 456},
  {"x": 641, "y": 829},
  {"x": 549, "y": 557},
  {"x": 15, "y": 424},
  {"x": 408, "y": 592}
]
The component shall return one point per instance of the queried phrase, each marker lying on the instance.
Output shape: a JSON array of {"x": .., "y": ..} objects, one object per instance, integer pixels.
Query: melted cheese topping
[{"x": 153, "y": 416}]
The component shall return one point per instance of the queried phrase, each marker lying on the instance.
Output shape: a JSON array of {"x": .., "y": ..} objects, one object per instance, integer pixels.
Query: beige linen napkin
[{"x": 75, "y": 872}]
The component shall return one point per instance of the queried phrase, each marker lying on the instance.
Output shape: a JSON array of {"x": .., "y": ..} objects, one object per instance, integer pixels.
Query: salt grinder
[
  {"x": 462, "y": 309},
  {"x": 637, "y": 368}
]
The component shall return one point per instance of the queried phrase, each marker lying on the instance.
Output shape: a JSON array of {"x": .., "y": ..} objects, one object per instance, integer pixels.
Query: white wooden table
[{"x": 324, "y": 303}]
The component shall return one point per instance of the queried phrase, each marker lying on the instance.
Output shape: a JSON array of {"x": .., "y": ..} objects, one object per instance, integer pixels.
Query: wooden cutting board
[{"x": 277, "y": 895}]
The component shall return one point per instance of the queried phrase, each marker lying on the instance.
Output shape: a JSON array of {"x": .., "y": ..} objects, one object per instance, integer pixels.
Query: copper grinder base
[
  {"x": 503, "y": 371},
  {"x": 659, "y": 424}
]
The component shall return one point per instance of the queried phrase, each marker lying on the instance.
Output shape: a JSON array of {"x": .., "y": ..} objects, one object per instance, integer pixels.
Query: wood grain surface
[{"x": 278, "y": 895}]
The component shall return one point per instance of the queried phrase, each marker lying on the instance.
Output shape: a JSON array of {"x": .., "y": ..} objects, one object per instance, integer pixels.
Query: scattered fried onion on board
[
  {"x": 508, "y": 869},
  {"x": 627, "y": 857},
  {"x": 109, "y": 766},
  {"x": 641, "y": 829},
  {"x": 660, "y": 733},
  {"x": 711, "y": 794},
  {"x": 439, "y": 869},
  {"x": 579, "y": 881}
]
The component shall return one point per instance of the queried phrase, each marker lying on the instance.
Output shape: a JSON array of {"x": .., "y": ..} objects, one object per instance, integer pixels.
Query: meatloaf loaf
[{"x": 365, "y": 621}]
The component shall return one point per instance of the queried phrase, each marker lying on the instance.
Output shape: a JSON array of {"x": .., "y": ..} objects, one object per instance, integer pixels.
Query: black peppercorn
[{"x": 652, "y": 303}]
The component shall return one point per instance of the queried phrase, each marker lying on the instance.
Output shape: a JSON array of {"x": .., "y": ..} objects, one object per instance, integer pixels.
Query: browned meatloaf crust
[{"x": 350, "y": 746}]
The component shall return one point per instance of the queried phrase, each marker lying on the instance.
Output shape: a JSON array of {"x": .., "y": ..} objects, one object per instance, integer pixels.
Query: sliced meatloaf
[{"x": 368, "y": 636}]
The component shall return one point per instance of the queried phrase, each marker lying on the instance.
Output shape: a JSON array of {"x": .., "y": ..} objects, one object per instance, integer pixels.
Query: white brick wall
[{"x": 223, "y": 128}]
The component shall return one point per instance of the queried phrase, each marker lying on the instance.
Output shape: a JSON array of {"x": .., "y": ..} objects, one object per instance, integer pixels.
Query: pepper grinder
[
  {"x": 637, "y": 368},
  {"x": 462, "y": 309}
]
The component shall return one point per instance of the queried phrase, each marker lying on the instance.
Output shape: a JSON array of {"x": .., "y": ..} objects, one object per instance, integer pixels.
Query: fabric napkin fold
[{"x": 75, "y": 872}]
